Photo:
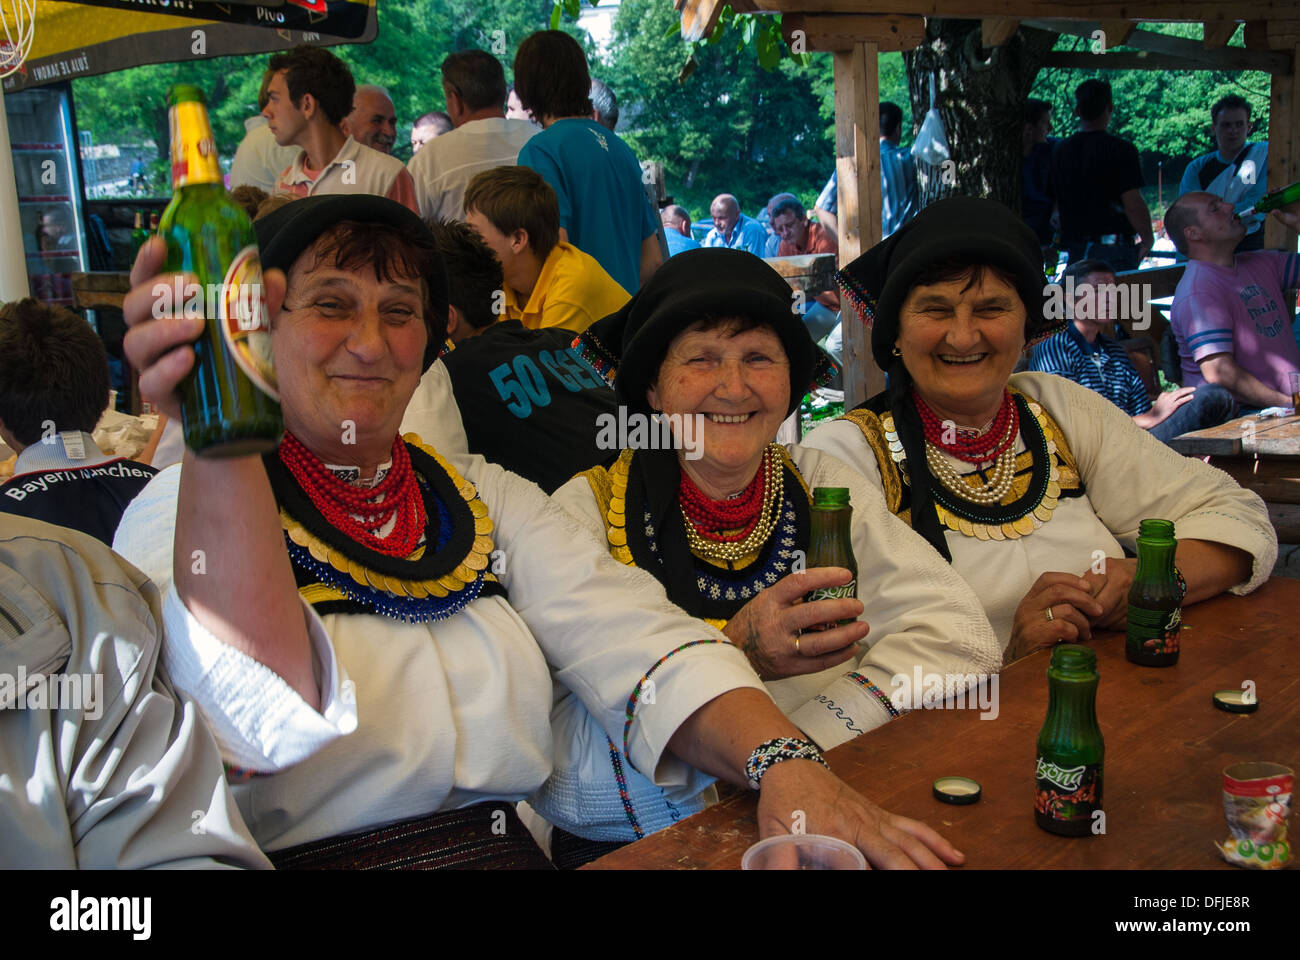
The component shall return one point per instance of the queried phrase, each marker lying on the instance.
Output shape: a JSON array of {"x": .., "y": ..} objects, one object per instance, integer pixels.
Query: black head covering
[
  {"x": 628, "y": 347},
  {"x": 286, "y": 232},
  {"x": 963, "y": 229}
]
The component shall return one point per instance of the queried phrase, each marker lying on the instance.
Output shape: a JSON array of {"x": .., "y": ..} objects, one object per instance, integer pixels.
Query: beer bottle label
[
  {"x": 1153, "y": 631},
  {"x": 1067, "y": 794},
  {"x": 194, "y": 154},
  {"x": 848, "y": 590},
  {"x": 245, "y": 326}
]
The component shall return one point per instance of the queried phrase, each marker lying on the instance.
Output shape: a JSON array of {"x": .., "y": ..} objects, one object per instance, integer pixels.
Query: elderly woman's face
[
  {"x": 960, "y": 344},
  {"x": 739, "y": 384},
  {"x": 348, "y": 348}
]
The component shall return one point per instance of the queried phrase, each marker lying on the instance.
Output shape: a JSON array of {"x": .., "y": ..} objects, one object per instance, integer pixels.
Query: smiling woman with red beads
[
  {"x": 720, "y": 521},
  {"x": 1029, "y": 485}
]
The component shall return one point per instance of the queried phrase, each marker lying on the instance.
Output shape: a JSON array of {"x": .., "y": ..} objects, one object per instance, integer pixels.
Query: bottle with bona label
[
  {"x": 229, "y": 403},
  {"x": 1067, "y": 788},
  {"x": 830, "y": 540},
  {"x": 1155, "y": 599}
]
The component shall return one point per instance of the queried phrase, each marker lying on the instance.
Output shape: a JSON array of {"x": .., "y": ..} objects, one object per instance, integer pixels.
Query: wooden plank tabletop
[
  {"x": 1274, "y": 437},
  {"x": 1166, "y": 747}
]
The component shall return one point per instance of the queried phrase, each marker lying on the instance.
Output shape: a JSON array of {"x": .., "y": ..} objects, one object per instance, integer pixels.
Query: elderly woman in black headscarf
[
  {"x": 1030, "y": 485},
  {"x": 711, "y": 345}
]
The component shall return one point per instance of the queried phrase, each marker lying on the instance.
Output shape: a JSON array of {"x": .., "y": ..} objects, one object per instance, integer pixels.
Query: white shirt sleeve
[
  {"x": 1131, "y": 476},
  {"x": 434, "y": 415},
  {"x": 604, "y": 626},
  {"x": 259, "y": 721}
]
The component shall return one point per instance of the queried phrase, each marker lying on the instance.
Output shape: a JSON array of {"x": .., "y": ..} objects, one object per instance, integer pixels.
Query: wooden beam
[
  {"x": 699, "y": 17},
  {"x": 1217, "y": 33},
  {"x": 1225, "y": 58},
  {"x": 1283, "y": 147},
  {"x": 829, "y": 32},
  {"x": 1117, "y": 32},
  {"x": 1120, "y": 60},
  {"x": 994, "y": 33},
  {"x": 857, "y": 165},
  {"x": 1169, "y": 10},
  {"x": 1256, "y": 35}
]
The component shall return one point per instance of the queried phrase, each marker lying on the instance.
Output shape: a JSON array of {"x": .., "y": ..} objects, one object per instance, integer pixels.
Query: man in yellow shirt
[{"x": 516, "y": 213}]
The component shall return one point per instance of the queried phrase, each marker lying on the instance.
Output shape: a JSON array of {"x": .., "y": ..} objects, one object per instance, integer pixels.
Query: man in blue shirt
[
  {"x": 604, "y": 211},
  {"x": 1082, "y": 353},
  {"x": 1236, "y": 171},
  {"x": 733, "y": 229},
  {"x": 899, "y": 198},
  {"x": 677, "y": 229}
]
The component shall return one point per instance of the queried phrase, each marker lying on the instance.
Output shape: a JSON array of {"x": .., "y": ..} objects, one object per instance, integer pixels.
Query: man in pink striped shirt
[{"x": 310, "y": 93}]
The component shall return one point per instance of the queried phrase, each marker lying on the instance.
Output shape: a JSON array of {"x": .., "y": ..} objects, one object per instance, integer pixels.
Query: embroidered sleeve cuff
[
  {"x": 684, "y": 681},
  {"x": 259, "y": 721},
  {"x": 845, "y": 709}
]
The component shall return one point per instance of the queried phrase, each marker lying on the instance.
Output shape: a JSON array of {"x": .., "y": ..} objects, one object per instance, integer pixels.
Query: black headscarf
[
  {"x": 962, "y": 229},
  {"x": 628, "y": 347}
]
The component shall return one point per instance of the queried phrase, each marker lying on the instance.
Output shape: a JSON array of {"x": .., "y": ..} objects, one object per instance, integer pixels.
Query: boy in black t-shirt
[
  {"x": 527, "y": 401},
  {"x": 53, "y": 389}
]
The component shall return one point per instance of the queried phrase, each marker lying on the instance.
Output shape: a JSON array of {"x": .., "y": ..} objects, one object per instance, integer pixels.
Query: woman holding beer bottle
[
  {"x": 723, "y": 521},
  {"x": 1028, "y": 484}
]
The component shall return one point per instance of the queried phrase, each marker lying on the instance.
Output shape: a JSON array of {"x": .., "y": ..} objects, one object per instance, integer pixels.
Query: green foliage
[
  {"x": 1165, "y": 113},
  {"x": 129, "y": 106}
]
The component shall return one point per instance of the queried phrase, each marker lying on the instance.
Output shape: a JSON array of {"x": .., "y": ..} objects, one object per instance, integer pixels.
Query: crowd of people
[{"x": 455, "y": 619}]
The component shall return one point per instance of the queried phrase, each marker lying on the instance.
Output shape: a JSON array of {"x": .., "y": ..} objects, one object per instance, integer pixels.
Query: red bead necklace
[
  {"x": 973, "y": 448},
  {"x": 709, "y": 516},
  {"x": 359, "y": 512}
]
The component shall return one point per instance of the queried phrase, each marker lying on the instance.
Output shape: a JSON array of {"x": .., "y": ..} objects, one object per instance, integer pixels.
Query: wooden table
[
  {"x": 1166, "y": 747},
  {"x": 1261, "y": 455}
]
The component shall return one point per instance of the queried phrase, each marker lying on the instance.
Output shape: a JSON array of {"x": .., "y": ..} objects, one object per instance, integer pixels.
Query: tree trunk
[{"x": 981, "y": 96}]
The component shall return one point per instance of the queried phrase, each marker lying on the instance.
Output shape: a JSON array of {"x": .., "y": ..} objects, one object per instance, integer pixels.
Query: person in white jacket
[
  {"x": 371, "y": 627},
  {"x": 719, "y": 514},
  {"x": 1030, "y": 485}
]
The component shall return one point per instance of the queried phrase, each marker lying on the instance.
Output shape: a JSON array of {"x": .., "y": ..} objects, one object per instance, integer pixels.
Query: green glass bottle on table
[
  {"x": 1071, "y": 752},
  {"x": 1277, "y": 199},
  {"x": 1155, "y": 599},
  {"x": 229, "y": 404},
  {"x": 830, "y": 540}
]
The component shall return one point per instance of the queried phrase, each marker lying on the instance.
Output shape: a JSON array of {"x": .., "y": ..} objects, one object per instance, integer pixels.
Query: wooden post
[
  {"x": 1283, "y": 147},
  {"x": 857, "y": 164}
]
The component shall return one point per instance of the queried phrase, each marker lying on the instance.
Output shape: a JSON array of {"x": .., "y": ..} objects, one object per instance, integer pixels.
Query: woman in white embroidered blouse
[{"x": 1030, "y": 485}]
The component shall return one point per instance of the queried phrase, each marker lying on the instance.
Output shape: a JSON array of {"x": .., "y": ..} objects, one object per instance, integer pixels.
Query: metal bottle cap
[{"x": 958, "y": 791}]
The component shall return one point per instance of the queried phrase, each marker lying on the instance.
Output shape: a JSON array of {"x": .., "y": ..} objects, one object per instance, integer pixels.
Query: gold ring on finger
[
  {"x": 1048, "y": 613},
  {"x": 796, "y": 646}
]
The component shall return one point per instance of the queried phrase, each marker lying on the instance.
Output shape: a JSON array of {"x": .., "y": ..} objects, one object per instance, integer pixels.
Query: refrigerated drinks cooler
[{"x": 49, "y": 189}]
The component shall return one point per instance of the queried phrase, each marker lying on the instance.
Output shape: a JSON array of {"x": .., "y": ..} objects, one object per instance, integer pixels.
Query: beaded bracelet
[
  {"x": 1182, "y": 583},
  {"x": 881, "y": 697},
  {"x": 774, "y": 751}
]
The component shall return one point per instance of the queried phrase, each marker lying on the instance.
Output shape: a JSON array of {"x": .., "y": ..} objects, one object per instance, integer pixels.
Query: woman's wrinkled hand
[
  {"x": 1110, "y": 589},
  {"x": 1074, "y": 609},
  {"x": 770, "y": 629},
  {"x": 805, "y": 792}
]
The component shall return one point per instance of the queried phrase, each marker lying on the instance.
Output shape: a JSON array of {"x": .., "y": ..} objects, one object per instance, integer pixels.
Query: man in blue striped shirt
[{"x": 1082, "y": 353}]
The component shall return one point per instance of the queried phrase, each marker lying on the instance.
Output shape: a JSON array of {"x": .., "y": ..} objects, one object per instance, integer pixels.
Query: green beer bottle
[
  {"x": 1155, "y": 599},
  {"x": 1278, "y": 199},
  {"x": 138, "y": 235},
  {"x": 1070, "y": 749},
  {"x": 830, "y": 540},
  {"x": 229, "y": 404}
]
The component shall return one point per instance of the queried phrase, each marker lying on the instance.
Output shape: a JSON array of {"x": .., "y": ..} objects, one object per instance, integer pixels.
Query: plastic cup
[{"x": 803, "y": 851}]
